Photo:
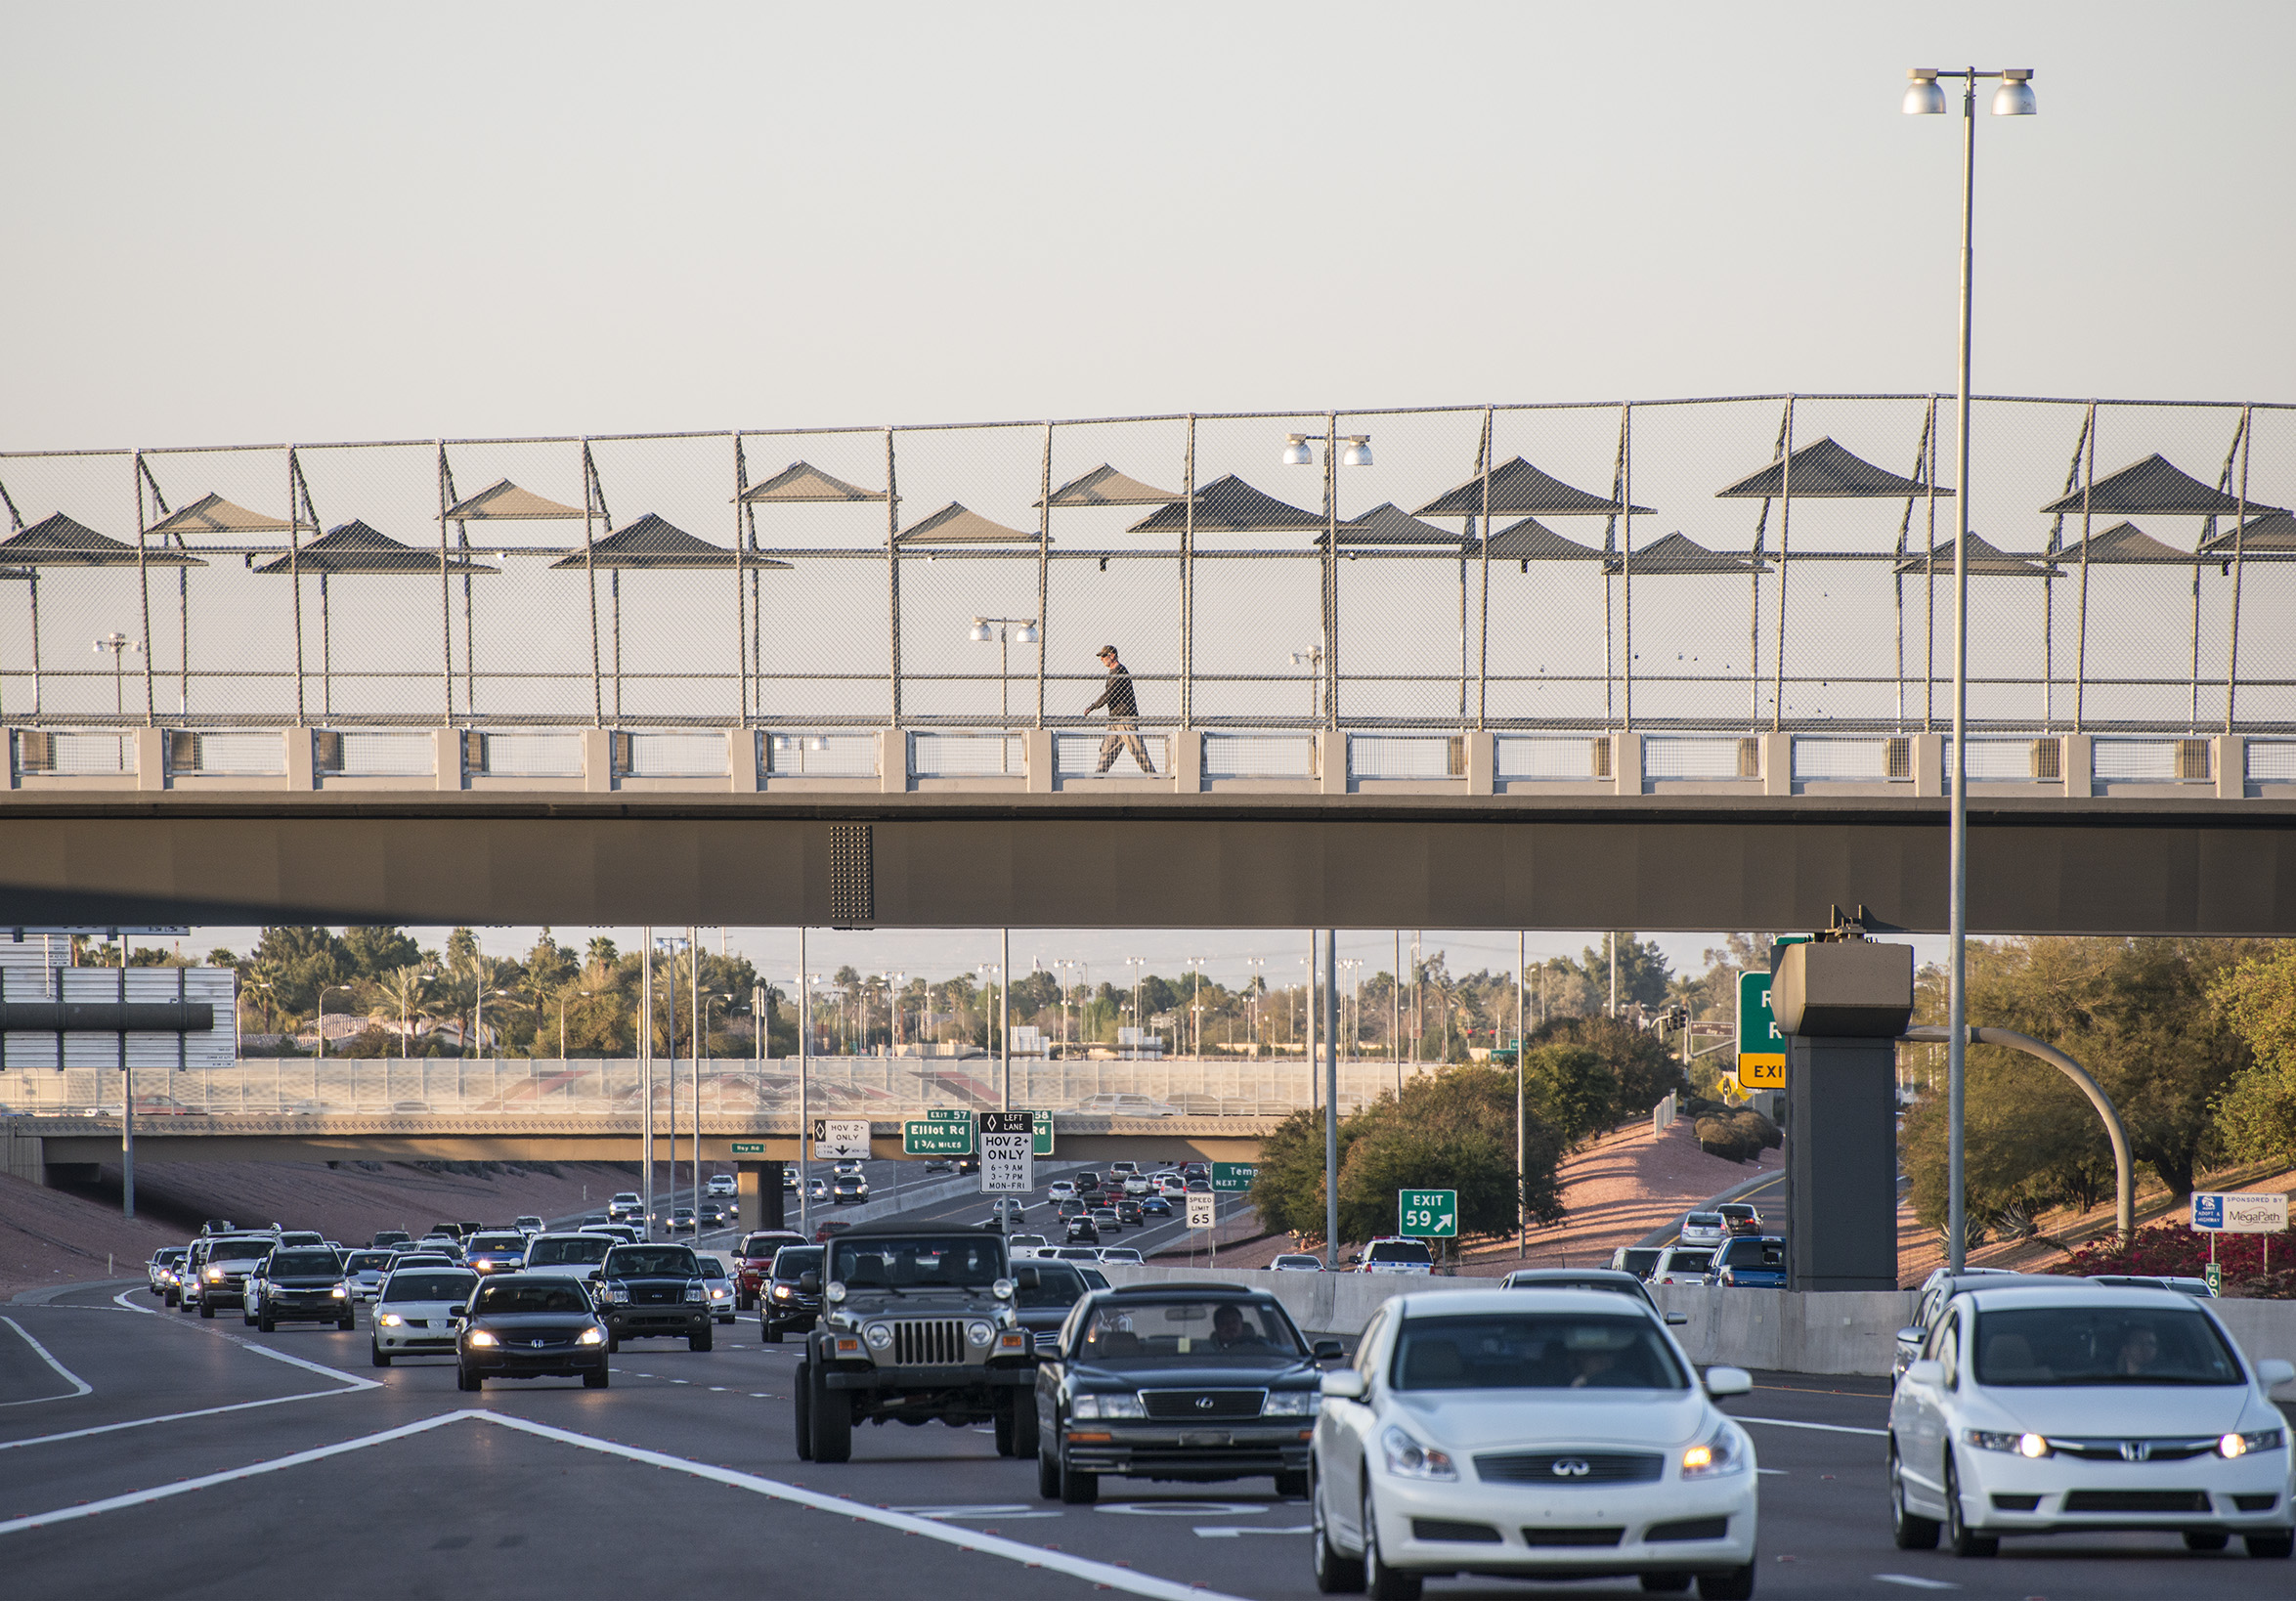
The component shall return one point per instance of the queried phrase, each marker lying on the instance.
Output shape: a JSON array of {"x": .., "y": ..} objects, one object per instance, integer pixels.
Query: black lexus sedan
[
  {"x": 542, "y": 1326},
  {"x": 653, "y": 1292},
  {"x": 1187, "y": 1382}
]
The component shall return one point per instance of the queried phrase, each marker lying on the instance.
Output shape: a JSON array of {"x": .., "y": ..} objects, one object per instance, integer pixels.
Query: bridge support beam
[{"x": 758, "y": 1194}]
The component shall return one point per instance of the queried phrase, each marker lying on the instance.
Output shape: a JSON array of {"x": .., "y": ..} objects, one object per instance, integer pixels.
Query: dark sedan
[
  {"x": 1154, "y": 1206},
  {"x": 651, "y": 1292},
  {"x": 538, "y": 1327},
  {"x": 1187, "y": 1382}
]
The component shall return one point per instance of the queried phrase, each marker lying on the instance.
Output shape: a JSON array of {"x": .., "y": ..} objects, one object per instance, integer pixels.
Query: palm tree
[{"x": 400, "y": 989}]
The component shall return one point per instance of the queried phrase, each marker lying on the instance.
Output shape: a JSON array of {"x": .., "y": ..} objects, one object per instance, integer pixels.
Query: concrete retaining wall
[{"x": 1776, "y": 1330}]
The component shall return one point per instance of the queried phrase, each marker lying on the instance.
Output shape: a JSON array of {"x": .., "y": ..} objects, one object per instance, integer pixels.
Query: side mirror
[
  {"x": 1929, "y": 1370},
  {"x": 1675, "y": 1320},
  {"x": 2273, "y": 1372},
  {"x": 1912, "y": 1337},
  {"x": 1347, "y": 1384},
  {"x": 457, "y": 1312},
  {"x": 1027, "y": 1278},
  {"x": 1329, "y": 1351},
  {"x": 809, "y": 1283},
  {"x": 1728, "y": 1381}
]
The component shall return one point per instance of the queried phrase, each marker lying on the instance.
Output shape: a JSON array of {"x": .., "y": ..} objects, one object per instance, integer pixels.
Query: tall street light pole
[
  {"x": 1924, "y": 98},
  {"x": 324, "y": 993}
]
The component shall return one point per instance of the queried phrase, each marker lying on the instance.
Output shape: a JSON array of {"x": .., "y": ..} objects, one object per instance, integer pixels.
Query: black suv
[
  {"x": 304, "y": 1285},
  {"x": 652, "y": 1292},
  {"x": 790, "y": 1296}
]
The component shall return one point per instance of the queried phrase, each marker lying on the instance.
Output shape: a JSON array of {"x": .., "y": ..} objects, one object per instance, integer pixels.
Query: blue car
[
  {"x": 1751, "y": 1263},
  {"x": 1154, "y": 1206}
]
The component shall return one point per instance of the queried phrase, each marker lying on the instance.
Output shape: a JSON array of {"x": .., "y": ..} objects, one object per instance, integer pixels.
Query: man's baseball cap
[{"x": 1106, "y": 650}]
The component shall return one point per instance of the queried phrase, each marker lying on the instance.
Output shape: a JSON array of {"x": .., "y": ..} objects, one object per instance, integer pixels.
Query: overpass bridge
[{"x": 666, "y": 679}]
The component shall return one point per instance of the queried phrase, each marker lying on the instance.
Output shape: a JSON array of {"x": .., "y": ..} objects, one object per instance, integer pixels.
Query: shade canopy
[
  {"x": 1230, "y": 505},
  {"x": 1519, "y": 490},
  {"x": 213, "y": 514},
  {"x": 58, "y": 542},
  {"x": 954, "y": 523},
  {"x": 2124, "y": 544},
  {"x": 1678, "y": 553},
  {"x": 355, "y": 547},
  {"x": 505, "y": 502},
  {"x": 2152, "y": 486},
  {"x": 1825, "y": 471},
  {"x": 802, "y": 483},
  {"x": 1986, "y": 560},
  {"x": 2274, "y": 531},
  {"x": 652, "y": 542},
  {"x": 1532, "y": 541},
  {"x": 1104, "y": 486},
  {"x": 1390, "y": 525}
]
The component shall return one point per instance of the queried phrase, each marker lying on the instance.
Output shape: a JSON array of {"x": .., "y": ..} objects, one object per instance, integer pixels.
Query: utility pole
[
  {"x": 646, "y": 1068},
  {"x": 1330, "y": 1100}
]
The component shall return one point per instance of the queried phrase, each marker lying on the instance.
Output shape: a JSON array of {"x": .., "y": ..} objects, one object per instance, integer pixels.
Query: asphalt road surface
[{"x": 141, "y": 1449}]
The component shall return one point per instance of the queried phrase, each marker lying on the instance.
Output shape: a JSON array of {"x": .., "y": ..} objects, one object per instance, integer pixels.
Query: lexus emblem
[
  {"x": 1572, "y": 1467},
  {"x": 1203, "y": 1404}
]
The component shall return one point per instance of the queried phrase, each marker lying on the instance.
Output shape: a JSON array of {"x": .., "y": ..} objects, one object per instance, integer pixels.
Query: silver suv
[{"x": 916, "y": 1323}]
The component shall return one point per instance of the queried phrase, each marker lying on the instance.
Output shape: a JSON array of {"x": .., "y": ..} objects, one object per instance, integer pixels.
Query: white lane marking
[
  {"x": 1794, "y": 1423},
  {"x": 140, "y": 1497},
  {"x": 1913, "y": 1584},
  {"x": 1181, "y": 1509},
  {"x": 1774, "y": 1473},
  {"x": 1010, "y": 1511},
  {"x": 1011, "y": 1550},
  {"x": 1213, "y": 1531},
  {"x": 81, "y": 1387},
  {"x": 351, "y": 1379}
]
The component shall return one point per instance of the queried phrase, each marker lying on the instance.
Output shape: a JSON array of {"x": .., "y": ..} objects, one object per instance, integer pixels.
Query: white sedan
[
  {"x": 2041, "y": 1412},
  {"x": 1530, "y": 1433},
  {"x": 417, "y": 1311},
  {"x": 1061, "y": 1190}
]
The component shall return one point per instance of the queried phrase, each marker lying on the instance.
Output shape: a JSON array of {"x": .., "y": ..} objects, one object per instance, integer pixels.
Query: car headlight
[
  {"x": 980, "y": 1334},
  {"x": 479, "y": 1336},
  {"x": 717, "y": 1292},
  {"x": 2019, "y": 1445},
  {"x": 1715, "y": 1457},
  {"x": 879, "y": 1336},
  {"x": 590, "y": 1336},
  {"x": 1102, "y": 1407},
  {"x": 836, "y": 1291},
  {"x": 608, "y": 1294},
  {"x": 1407, "y": 1458},
  {"x": 390, "y": 1320},
  {"x": 2240, "y": 1445},
  {"x": 1292, "y": 1403},
  {"x": 693, "y": 1292},
  {"x": 339, "y": 1292},
  {"x": 1002, "y": 1289},
  {"x": 214, "y": 1274},
  {"x": 781, "y": 1293}
]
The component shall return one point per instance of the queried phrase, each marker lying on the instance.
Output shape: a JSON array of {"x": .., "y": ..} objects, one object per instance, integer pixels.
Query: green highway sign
[
  {"x": 1427, "y": 1214},
  {"x": 748, "y": 1147},
  {"x": 1233, "y": 1174},
  {"x": 948, "y": 1114},
  {"x": 937, "y": 1135},
  {"x": 1044, "y": 1133},
  {"x": 1761, "y": 1049}
]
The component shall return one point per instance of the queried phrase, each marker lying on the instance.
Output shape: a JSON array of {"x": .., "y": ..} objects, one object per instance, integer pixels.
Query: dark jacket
[{"x": 1117, "y": 697}]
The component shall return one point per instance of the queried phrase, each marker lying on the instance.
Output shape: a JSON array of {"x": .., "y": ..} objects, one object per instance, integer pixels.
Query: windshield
[
  {"x": 1690, "y": 1261},
  {"x": 582, "y": 1251},
  {"x": 1540, "y": 1351},
  {"x": 238, "y": 1250},
  {"x": 498, "y": 1242},
  {"x": 792, "y": 1260},
  {"x": 509, "y": 1295},
  {"x": 2103, "y": 1345},
  {"x": 303, "y": 1264},
  {"x": 1398, "y": 1250},
  {"x": 1616, "y": 1286},
  {"x": 918, "y": 1262},
  {"x": 1057, "y": 1285},
  {"x": 651, "y": 1262},
  {"x": 367, "y": 1262},
  {"x": 764, "y": 1244},
  {"x": 1188, "y": 1331},
  {"x": 711, "y": 1267},
  {"x": 1755, "y": 1253},
  {"x": 429, "y": 1286}
]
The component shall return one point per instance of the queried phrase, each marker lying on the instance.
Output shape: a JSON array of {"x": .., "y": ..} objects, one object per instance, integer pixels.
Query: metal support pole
[
  {"x": 693, "y": 948},
  {"x": 1626, "y": 568},
  {"x": 446, "y": 597},
  {"x": 294, "y": 582},
  {"x": 590, "y": 575},
  {"x": 1395, "y": 1016},
  {"x": 1330, "y": 663},
  {"x": 1044, "y": 568},
  {"x": 804, "y": 1055},
  {"x": 1522, "y": 1212},
  {"x": 1330, "y": 1100},
  {"x": 1957, "y": 1005},
  {"x": 892, "y": 584},
  {"x": 127, "y": 1088},
  {"x": 2081, "y": 640},
  {"x": 1785, "y": 536},
  {"x": 1005, "y": 1009},
  {"x": 2240, "y": 553},
  {"x": 1483, "y": 625},
  {"x": 646, "y": 1068},
  {"x": 1187, "y": 587}
]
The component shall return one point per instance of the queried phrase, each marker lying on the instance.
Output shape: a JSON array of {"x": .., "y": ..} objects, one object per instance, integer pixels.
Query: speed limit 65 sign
[{"x": 1428, "y": 1214}]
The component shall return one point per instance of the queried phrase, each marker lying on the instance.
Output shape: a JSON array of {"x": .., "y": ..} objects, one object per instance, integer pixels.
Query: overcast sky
[{"x": 268, "y": 223}]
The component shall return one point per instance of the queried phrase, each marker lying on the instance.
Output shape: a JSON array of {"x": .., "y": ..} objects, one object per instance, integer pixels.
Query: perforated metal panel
[{"x": 853, "y": 875}]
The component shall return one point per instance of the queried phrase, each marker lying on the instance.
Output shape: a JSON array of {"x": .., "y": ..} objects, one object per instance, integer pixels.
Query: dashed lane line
[{"x": 1823, "y": 1428}]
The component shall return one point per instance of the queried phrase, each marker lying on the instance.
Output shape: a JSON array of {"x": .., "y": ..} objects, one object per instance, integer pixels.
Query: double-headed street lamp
[
  {"x": 1924, "y": 96},
  {"x": 1299, "y": 450},
  {"x": 1006, "y": 631},
  {"x": 119, "y": 644}
]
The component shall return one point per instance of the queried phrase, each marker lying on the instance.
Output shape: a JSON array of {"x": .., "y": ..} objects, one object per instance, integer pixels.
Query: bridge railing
[{"x": 1724, "y": 566}]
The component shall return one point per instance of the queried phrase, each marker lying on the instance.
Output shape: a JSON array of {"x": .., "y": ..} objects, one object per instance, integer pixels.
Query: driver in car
[
  {"x": 1230, "y": 1333},
  {"x": 2139, "y": 1349}
]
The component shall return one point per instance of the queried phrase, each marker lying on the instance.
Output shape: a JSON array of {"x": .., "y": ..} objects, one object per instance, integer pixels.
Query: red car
[{"x": 753, "y": 1261}]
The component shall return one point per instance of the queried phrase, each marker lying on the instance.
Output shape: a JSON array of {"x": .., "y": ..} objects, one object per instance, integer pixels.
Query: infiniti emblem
[
  {"x": 1204, "y": 1404},
  {"x": 1572, "y": 1467}
]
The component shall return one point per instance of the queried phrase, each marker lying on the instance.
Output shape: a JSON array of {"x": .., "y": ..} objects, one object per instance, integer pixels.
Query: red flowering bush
[{"x": 2173, "y": 1248}]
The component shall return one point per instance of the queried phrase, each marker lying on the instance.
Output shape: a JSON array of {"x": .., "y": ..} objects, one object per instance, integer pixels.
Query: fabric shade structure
[
  {"x": 1532, "y": 541},
  {"x": 58, "y": 542},
  {"x": 954, "y": 523},
  {"x": 2151, "y": 487},
  {"x": 1985, "y": 561},
  {"x": 1678, "y": 553},
  {"x": 1520, "y": 490},
  {"x": 654, "y": 542},
  {"x": 1230, "y": 505},
  {"x": 1104, "y": 486},
  {"x": 2124, "y": 544},
  {"x": 505, "y": 502},
  {"x": 1825, "y": 471},
  {"x": 2273, "y": 533},
  {"x": 213, "y": 514},
  {"x": 356, "y": 547},
  {"x": 802, "y": 483},
  {"x": 1390, "y": 525}
]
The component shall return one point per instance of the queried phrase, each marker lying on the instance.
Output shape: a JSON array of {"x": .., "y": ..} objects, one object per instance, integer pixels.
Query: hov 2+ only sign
[
  {"x": 1427, "y": 1214},
  {"x": 1007, "y": 1153},
  {"x": 840, "y": 1140},
  {"x": 2219, "y": 1213}
]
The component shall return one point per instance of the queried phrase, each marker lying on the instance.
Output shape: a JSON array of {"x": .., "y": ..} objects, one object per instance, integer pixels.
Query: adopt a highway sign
[
  {"x": 841, "y": 1138},
  {"x": 1427, "y": 1214},
  {"x": 1007, "y": 1153},
  {"x": 2214, "y": 1212}
]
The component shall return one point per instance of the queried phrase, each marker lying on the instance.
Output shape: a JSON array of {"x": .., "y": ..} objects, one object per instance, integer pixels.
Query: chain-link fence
[{"x": 1736, "y": 565}]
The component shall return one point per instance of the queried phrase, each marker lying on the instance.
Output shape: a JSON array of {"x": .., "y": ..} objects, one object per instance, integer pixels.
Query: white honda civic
[
  {"x": 2041, "y": 1412},
  {"x": 1528, "y": 1434}
]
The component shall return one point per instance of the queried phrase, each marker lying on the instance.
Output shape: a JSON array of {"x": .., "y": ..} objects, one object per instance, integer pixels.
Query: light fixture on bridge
[
  {"x": 1296, "y": 453},
  {"x": 1299, "y": 450},
  {"x": 1923, "y": 96},
  {"x": 981, "y": 634},
  {"x": 1358, "y": 452},
  {"x": 2015, "y": 97}
]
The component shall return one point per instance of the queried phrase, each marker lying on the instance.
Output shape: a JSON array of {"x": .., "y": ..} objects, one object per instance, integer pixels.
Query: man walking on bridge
[{"x": 1123, "y": 715}]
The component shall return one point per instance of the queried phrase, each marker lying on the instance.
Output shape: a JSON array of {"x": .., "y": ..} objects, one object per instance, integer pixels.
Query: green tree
[
  {"x": 1573, "y": 1087},
  {"x": 2256, "y": 1115},
  {"x": 375, "y": 949},
  {"x": 299, "y": 961}
]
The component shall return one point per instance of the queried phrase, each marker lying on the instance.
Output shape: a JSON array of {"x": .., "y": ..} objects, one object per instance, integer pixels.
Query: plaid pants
[{"x": 1124, "y": 735}]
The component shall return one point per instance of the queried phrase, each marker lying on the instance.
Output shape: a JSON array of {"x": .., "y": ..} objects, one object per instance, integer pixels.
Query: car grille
[
  {"x": 655, "y": 1295},
  {"x": 1687, "y": 1528},
  {"x": 1573, "y": 1536},
  {"x": 1204, "y": 1404},
  {"x": 2137, "y": 1500},
  {"x": 2144, "y": 1450},
  {"x": 928, "y": 1341},
  {"x": 1570, "y": 1468},
  {"x": 1481, "y": 1534}
]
